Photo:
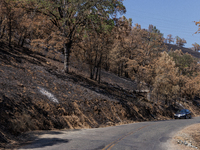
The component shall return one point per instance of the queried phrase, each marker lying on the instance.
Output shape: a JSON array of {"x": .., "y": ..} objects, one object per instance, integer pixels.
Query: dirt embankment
[{"x": 35, "y": 94}]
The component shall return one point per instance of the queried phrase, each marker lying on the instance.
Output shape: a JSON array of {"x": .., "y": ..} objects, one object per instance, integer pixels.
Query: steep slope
[{"x": 35, "y": 94}]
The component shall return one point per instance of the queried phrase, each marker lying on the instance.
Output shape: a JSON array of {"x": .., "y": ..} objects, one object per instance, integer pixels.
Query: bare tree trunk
[
  {"x": 106, "y": 64},
  {"x": 65, "y": 58},
  {"x": 118, "y": 70},
  {"x": 99, "y": 66},
  {"x": 94, "y": 67},
  {"x": 121, "y": 72},
  {"x": 22, "y": 43},
  {"x": 2, "y": 32},
  {"x": 67, "y": 47},
  {"x": 91, "y": 71},
  {"x": 166, "y": 101},
  {"x": 99, "y": 74},
  {"x": 10, "y": 31},
  {"x": 20, "y": 38},
  {"x": 157, "y": 98}
]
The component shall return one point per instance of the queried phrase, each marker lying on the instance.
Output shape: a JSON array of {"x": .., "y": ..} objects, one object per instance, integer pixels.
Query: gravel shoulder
[{"x": 186, "y": 139}]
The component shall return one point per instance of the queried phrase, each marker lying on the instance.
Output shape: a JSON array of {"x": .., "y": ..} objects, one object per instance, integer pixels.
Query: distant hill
[{"x": 184, "y": 50}]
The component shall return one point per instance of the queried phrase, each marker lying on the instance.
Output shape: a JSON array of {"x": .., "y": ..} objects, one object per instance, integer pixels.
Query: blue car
[{"x": 183, "y": 113}]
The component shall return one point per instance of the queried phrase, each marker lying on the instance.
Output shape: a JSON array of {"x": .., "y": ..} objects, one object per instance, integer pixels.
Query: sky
[{"x": 174, "y": 17}]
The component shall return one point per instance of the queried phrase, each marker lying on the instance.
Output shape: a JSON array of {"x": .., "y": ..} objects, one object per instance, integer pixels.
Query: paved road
[{"x": 137, "y": 136}]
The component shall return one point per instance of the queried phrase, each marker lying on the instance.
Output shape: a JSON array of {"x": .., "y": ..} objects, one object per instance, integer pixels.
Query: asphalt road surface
[{"x": 138, "y": 136}]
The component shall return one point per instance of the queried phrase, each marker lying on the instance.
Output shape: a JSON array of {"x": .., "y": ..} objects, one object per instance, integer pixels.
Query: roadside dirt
[{"x": 186, "y": 139}]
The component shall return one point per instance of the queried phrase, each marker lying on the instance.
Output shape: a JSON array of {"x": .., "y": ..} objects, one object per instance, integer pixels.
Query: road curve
[{"x": 137, "y": 136}]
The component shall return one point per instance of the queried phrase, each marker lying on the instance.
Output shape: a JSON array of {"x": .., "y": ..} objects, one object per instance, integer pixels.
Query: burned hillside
[{"x": 37, "y": 95}]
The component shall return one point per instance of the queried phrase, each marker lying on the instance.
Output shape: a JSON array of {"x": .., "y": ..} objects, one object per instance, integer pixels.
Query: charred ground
[{"x": 35, "y": 94}]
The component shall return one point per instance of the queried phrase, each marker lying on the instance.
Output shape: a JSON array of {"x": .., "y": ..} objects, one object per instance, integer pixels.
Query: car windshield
[{"x": 181, "y": 111}]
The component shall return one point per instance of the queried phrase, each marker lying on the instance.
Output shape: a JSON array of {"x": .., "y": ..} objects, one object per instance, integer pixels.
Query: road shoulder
[{"x": 186, "y": 139}]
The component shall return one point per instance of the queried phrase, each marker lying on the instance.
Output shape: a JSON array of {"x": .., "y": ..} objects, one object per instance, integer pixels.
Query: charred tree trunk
[
  {"x": 107, "y": 64},
  {"x": 10, "y": 31},
  {"x": 121, "y": 71},
  {"x": 67, "y": 49},
  {"x": 2, "y": 32},
  {"x": 118, "y": 72},
  {"x": 93, "y": 67},
  {"x": 22, "y": 39},
  {"x": 91, "y": 72},
  {"x": 22, "y": 43},
  {"x": 19, "y": 41},
  {"x": 126, "y": 74},
  {"x": 157, "y": 97},
  {"x": 99, "y": 74}
]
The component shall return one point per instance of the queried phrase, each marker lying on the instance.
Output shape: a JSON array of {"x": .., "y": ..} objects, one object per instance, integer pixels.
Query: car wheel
[
  {"x": 186, "y": 117},
  {"x": 190, "y": 116}
]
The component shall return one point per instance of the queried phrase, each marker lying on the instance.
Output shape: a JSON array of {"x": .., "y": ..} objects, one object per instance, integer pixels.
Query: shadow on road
[
  {"x": 41, "y": 143},
  {"x": 36, "y": 133}
]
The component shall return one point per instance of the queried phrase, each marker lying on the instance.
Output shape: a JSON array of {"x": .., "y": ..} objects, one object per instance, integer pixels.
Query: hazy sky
[{"x": 174, "y": 17}]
